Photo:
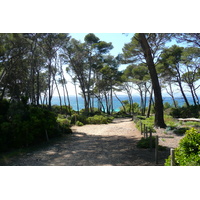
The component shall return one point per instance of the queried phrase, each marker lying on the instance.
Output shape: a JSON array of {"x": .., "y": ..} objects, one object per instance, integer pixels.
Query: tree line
[{"x": 32, "y": 66}]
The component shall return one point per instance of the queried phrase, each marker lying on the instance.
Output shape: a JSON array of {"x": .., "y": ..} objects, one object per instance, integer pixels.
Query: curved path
[{"x": 111, "y": 144}]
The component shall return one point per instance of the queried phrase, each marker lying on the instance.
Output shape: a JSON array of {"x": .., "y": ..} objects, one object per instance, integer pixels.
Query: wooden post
[
  {"x": 156, "y": 149},
  {"x": 150, "y": 132},
  {"x": 141, "y": 127},
  {"x": 172, "y": 157},
  {"x": 47, "y": 137},
  {"x": 144, "y": 130}
]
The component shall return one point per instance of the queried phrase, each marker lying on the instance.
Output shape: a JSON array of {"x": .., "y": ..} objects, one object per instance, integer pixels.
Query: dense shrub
[
  {"x": 4, "y": 106},
  {"x": 79, "y": 123},
  {"x": 185, "y": 112},
  {"x": 121, "y": 114},
  {"x": 65, "y": 128},
  {"x": 96, "y": 119},
  {"x": 67, "y": 110},
  {"x": 62, "y": 119},
  {"x": 24, "y": 125},
  {"x": 188, "y": 151},
  {"x": 181, "y": 131},
  {"x": 99, "y": 119},
  {"x": 76, "y": 117}
]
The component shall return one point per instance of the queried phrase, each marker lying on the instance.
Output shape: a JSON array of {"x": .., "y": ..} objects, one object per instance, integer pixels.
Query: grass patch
[{"x": 144, "y": 143}]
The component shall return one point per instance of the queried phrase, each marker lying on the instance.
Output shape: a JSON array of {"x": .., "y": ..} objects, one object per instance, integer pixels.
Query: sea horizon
[{"x": 116, "y": 102}]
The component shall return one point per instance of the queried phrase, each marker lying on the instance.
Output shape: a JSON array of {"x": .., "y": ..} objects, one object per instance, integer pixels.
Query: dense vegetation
[
  {"x": 34, "y": 65},
  {"x": 188, "y": 151},
  {"x": 23, "y": 125}
]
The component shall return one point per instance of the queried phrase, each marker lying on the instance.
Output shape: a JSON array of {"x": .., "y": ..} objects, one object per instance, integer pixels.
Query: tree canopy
[{"x": 34, "y": 65}]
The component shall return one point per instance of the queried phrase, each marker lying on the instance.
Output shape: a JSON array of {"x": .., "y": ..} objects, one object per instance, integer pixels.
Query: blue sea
[{"x": 116, "y": 103}]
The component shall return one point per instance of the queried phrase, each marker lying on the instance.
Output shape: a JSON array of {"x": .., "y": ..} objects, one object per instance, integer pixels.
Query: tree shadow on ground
[{"x": 80, "y": 149}]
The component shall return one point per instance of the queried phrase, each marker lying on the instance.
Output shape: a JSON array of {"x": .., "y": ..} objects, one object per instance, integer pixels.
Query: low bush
[
  {"x": 99, "y": 119},
  {"x": 25, "y": 125},
  {"x": 171, "y": 125},
  {"x": 167, "y": 105},
  {"x": 76, "y": 117},
  {"x": 62, "y": 119},
  {"x": 149, "y": 123},
  {"x": 188, "y": 151},
  {"x": 121, "y": 114},
  {"x": 79, "y": 123},
  {"x": 145, "y": 143},
  {"x": 185, "y": 112},
  {"x": 66, "y": 110},
  {"x": 181, "y": 131}
]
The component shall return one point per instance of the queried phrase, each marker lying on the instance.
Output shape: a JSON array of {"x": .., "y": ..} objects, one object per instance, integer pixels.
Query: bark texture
[{"x": 159, "y": 117}]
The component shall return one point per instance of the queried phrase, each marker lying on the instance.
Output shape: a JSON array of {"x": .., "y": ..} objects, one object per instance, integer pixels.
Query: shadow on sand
[{"x": 80, "y": 149}]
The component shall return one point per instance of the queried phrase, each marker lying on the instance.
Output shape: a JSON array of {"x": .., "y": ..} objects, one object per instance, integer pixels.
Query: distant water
[{"x": 116, "y": 103}]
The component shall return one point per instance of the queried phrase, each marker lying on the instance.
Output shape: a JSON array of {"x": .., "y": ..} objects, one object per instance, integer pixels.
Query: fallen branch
[{"x": 189, "y": 119}]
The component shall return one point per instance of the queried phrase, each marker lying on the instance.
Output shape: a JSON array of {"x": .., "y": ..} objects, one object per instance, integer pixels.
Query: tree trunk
[
  {"x": 150, "y": 102},
  {"x": 58, "y": 93},
  {"x": 69, "y": 105},
  {"x": 182, "y": 92},
  {"x": 172, "y": 94},
  {"x": 76, "y": 98},
  {"x": 195, "y": 94},
  {"x": 120, "y": 102},
  {"x": 159, "y": 115},
  {"x": 193, "y": 97},
  {"x": 38, "y": 88},
  {"x": 49, "y": 83}
]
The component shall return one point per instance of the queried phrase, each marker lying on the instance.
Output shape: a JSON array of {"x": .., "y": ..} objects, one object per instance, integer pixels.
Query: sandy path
[{"x": 111, "y": 144}]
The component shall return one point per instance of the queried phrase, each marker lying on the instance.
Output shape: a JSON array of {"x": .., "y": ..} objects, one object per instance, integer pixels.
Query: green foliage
[
  {"x": 91, "y": 38},
  {"x": 76, "y": 117},
  {"x": 62, "y": 119},
  {"x": 149, "y": 123},
  {"x": 99, "y": 119},
  {"x": 135, "y": 108},
  {"x": 24, "y": 125},
  {"x": 188, "y": 151},
  {"x": 4, "y": 106},
  {"x": 145, "y": 143},
  {"x": 185, "y": 112},
  {"x": 191, "y": 142},
  {"x": 95, "y": 119},
  {"x": 121, "y": 114},
  {"x": 181, "y": 131},
  {"x": 63, "y": 110},
  {"x": 170, "y": 122},
  {"x": 140, "y": 117},
  {"x": 79, "y": 123},
  {"x": 166, "y": 105}
]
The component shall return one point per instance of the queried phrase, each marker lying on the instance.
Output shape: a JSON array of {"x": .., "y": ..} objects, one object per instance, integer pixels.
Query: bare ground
[{"x": 111, "y": 144}]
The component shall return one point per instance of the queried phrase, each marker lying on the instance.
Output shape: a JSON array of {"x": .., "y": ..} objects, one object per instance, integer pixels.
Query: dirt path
[{"x": 111, "y": 144}]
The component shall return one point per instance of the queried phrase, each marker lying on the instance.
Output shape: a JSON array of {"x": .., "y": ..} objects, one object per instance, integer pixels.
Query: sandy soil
[{"x": 111, "y": 144}]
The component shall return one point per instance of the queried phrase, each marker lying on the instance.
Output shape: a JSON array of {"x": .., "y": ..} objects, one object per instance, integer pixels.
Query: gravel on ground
[{"x": 112, "y": 144}]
